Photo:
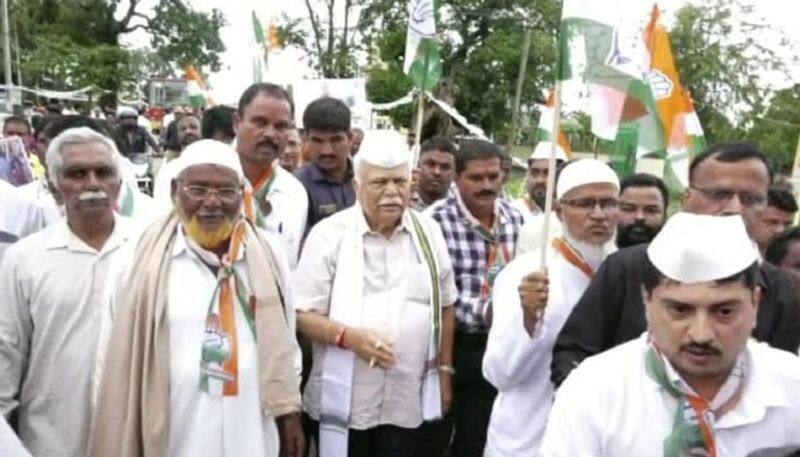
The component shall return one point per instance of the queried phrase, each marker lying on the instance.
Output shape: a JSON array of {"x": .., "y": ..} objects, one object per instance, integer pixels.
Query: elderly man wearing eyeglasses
[
  {"x": 530, "y": 303},
  {"x": 727, "y": 179}
]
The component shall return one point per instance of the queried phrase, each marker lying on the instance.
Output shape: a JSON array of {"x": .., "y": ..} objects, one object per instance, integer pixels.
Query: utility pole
[
  {"x": 19, "y": 66},
  {"x": 523, "y": 64},
  {"x": 7, "y": 56}
]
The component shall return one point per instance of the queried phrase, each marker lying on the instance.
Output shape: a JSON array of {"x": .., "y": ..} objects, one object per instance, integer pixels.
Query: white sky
[{"x": 236, "y": 73}]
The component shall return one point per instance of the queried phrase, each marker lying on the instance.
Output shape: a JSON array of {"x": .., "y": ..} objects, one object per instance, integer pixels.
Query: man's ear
[
  {"x": 56, "y": 193},
  {"x": 237, "y": 122},
  {"x": 559, "y": 211},
  {"x": 687, "y": 193},
  {"x": 173, "y": 189}
]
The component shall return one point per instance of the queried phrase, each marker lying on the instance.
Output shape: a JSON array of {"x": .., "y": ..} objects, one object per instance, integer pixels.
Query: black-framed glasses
[
  {"x": 588, "y": 204},
  {"x": 226, "y": 194},
  {"x": 720, "y": 196}
]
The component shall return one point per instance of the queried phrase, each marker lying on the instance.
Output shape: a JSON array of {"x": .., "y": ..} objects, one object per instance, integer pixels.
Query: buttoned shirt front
[
  {"x": 53, "y": 289},
  {"x": 610, "y": 406},
  {"x": 470, "y": 252},
  {"x": 289, "y": 202},
  {"x": 396, "y": 304}
]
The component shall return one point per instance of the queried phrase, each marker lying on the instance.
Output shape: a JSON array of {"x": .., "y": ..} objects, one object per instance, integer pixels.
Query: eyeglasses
[
  {"x": 588, "y": 204},
  {"x": 226, "y": 194},
  {"x": 750, "y": 200}
]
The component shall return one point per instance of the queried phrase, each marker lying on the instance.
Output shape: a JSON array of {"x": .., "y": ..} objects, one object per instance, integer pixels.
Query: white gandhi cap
[
  {"x": 384, "y": 149},
  {"x": 582, "y": 172},
  {"x": 209, "y": 152},
  {"x": 694, "y": 248}
]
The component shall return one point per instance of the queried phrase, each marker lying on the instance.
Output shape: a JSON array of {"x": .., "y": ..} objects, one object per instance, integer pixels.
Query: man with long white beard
[
  {"x": 531, "y": 305},
  {"x": 202, "y": 359},
  {"x": 54, "y": 286}
]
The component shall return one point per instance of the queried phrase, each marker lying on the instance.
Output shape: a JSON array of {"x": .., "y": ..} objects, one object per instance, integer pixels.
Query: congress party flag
[{"x": 423, "y": 61}]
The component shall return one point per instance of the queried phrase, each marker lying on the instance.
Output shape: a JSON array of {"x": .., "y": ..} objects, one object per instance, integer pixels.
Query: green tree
[
  {"x": 69, "y": 44},
  {"x": 778, "y": 130},
  {"x": 723, "y": 55}
]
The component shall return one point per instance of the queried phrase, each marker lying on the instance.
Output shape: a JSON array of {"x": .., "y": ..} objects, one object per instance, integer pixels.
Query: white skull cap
[
  {"x": 582, "y": 172},
  {"x": 694, "y": 248},
  {"x": 209, "y": 152}
]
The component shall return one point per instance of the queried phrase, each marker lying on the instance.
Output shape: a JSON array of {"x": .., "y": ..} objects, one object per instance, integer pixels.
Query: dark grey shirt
[{"x": 325, "y": 197}]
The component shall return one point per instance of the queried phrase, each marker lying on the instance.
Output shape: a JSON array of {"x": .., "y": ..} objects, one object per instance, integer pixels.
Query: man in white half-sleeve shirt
[
  {"x": 375, "y": 291},
  {"x": 530, "y": 306},
  {"x": 202, "y": 359},
  {"x": 695, "y": 383},
  {"x": 54, "y": 286}
]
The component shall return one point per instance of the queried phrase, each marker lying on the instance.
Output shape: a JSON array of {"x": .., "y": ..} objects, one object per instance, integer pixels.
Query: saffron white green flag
[{"x": 423, "y": 61}]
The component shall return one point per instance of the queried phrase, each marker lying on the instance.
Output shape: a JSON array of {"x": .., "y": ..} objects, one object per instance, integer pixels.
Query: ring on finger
[
  {"x": 372, "y": 362},
  {"x": 379, "y": 345}
]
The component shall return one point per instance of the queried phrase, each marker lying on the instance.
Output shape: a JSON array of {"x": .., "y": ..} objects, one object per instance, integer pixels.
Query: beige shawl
[{"x": 132, "y": 412}]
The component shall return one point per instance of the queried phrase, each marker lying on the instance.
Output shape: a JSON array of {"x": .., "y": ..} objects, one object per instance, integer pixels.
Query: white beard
[{"x": 592, "y": 254}]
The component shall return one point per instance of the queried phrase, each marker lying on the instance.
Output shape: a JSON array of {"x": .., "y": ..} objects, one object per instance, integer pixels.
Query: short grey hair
[{"x": 54, "y": 157}]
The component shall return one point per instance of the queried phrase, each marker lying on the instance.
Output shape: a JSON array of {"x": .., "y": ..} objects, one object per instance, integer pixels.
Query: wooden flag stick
[
  {"x": 418, "y": 129},
  {"x": 551, "y": 176}
]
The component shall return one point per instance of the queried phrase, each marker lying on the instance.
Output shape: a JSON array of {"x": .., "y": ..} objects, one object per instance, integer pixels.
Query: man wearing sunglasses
[
  {"x": 726, "y": 179},
  {"x": 530, "y": 303}
]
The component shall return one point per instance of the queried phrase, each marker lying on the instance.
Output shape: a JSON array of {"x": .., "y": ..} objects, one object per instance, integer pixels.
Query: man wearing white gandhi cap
[
  {"x": 695, "y": 383},
  {"x": 202, "y": 358},
  {"x": 375, "y": 291},
  {"x": 527, "y": 319}
]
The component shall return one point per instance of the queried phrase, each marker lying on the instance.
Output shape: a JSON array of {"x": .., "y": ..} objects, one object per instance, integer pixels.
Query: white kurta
[
  {"x": 396, "y": 304},
  {"x": 9, "y": 443},
  {"x": 53, "y": 290},
  {"x": 609, "y": 406},
  {"x": 518, "y": 364},
  {"x": 522, "y": 207},
  {"x": 203, "y": 425}
]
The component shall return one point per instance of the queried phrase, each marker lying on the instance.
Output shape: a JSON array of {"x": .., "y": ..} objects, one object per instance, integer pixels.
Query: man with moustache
[
  {"x": 726, "y": 179},
  {"x": 188, "y": 131},
  {"x": 531, "y": 302},
  {"x": 642, "y": 209},
  {"x": 202, "y": 359},
  {"x": 437, "y": 162},
  {"x": 279, "y": 204},
  {"x": 375, "y": 292},
  {"x": 54, "y": 286},
  {"x": 695, "y": 383},
  {"x": 328, "y": 177},
  {"x": 481, "y": 232},
  {"x": 533, "y": 202}
]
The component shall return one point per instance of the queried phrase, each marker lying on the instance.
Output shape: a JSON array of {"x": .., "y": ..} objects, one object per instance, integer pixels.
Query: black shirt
[
  {"x": 325, "y": 197},
  {"x": 611, "y": 311}
]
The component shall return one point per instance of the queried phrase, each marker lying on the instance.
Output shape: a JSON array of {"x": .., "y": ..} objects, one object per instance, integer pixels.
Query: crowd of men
[{"x": 314, "y": 292}]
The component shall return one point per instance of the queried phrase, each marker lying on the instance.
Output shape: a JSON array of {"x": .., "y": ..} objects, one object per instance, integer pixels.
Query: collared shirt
[
  {"x": 610, "y": 406},
  {"x": 44, "y": 200},
  {"x": 396, "y": 304},
  {"x": 417, "y": 203},
  {"x": 470, "y": 252},
  {"x": 53, "y": 289},
  {"x": 325, "y": 197},
  {"x": 287, "y": 220},
  {"x": 527, "y": 207}
]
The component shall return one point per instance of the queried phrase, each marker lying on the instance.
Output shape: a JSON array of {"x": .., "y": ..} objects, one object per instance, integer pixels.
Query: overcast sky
[{"x": 236, "y": 72}]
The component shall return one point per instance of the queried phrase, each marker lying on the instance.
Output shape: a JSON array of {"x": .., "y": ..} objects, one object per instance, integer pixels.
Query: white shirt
[
  {"x": 44, "y": 200},
  {"x": 522, "y": 206},
  {"x": 19, "y": 216},
  {"x": 53, "y": 289},
  {"x": 289, "y": 201},
  {"x": 518, "y": 364},
  {"x": 396, "y": 301},
  {"x": 9, "y": 443},
  {"x": 204, "y": 425},
  {"x": 609, "y": 406}
]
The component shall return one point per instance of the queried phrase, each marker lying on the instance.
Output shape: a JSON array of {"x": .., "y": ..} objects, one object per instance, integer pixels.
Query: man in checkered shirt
[{"x": 481, "y": 232}]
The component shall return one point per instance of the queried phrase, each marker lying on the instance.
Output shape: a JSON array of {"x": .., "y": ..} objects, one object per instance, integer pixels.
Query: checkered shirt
[{"x": 469, "y": 253}]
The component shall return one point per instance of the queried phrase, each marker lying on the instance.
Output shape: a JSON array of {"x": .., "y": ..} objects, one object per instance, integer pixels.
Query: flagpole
[
  {"x": 795, "y": 177},
  {"x": 551, "y": 176},
  {"x": 418, "y": 128}
]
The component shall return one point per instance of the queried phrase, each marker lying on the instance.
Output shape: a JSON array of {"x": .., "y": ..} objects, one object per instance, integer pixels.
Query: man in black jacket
[{"x": 730, "y": 178}]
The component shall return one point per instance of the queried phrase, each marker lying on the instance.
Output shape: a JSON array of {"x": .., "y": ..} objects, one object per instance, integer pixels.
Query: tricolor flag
[
  {"x": 198, "y": 92},
  {"x": 545, "y": 130},
  {"x": 634, "y": 95},
  {"x": 682, "y": 127},
  {"x": 423, "y": 61}
]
